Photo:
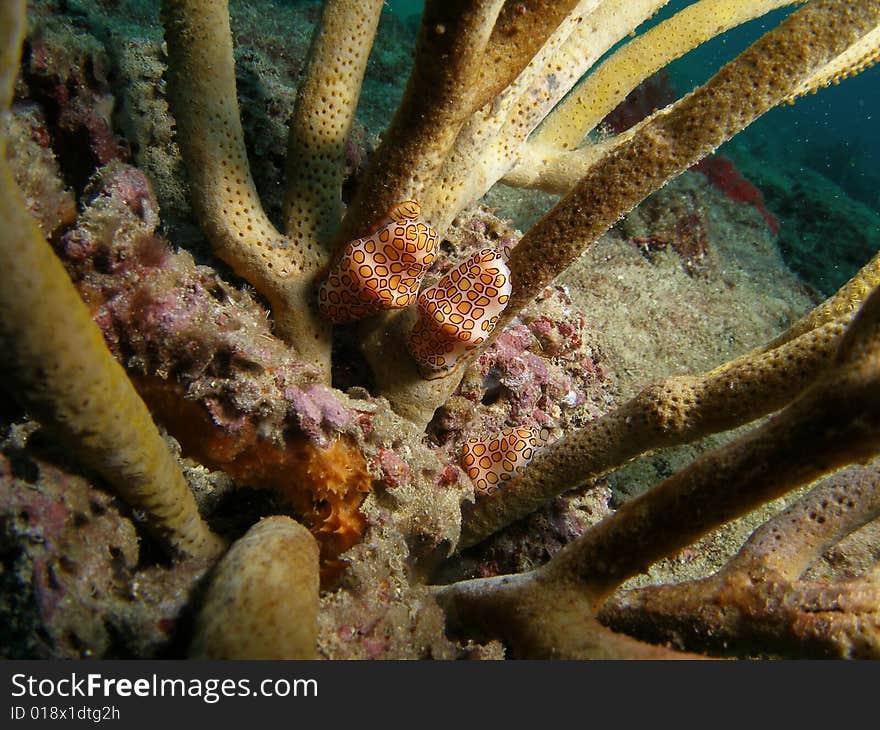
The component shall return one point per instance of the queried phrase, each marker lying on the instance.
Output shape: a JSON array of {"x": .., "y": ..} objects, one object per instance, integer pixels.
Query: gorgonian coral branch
[
  {"x": 521, "y": 29},
  {"x": 63, "y": 371},
  {"x": 262, "y": 602},
  {"x": 552, "y": 611},
  {"x": 552, "y": 160},
  {"x": 202, "y": 95},
  {"x": 439, "y": 97},
  {"x": 845, "y": 301},
  {"x": 607, "y": 86},
  {"x": 679, "y": 410},
  {"x": 674, "y": 411},
  {"x": 835, "y": 422},
  {"x": 321, "y": 123},
  {"x": 674, "y": 139},
  {"x": 760, "y": 599},
  {"x": 490, "y": 143}
]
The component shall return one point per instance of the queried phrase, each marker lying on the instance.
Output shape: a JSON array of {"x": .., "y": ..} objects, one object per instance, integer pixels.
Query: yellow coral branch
[
  {"x": 262, "y": 602},
  {"x": 521, "y": 29},
  {"x": 551, "y": 159},
  {"x": 489, "y": 144},
  {"x": 856, "y": 59},
  {"x": 439, "y": 97},
  {"x": 551, "y": 612},
  {"x": 674, "y": 411},
  {"x": 845, "y": 301},
  {"x": 606, "y": 87},
  {"x": 835, "y": 422},
  {"x": 321, "y": 122},
  {"x": 202, "y": 94},
  {"x": 66, "y": 375},
  {"x": 676, "y": 138}
]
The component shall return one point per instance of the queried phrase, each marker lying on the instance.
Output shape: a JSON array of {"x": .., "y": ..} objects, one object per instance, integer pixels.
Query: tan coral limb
[
  {"x": 554, "y": 168},
  {"x": 680, "y": 409},
  {"x": 834, "y": 423},
  {"x": 673, "y": 140},
  {"x": 202, "y": 95},
  {"x": 548, "y": 612},
  {"x": 321, "y": 122},
  {"x": 854, "y": 60},
  {"x": 845, "y": 301},
  {"x": 550, "y": 160},
  {"x": 440, "y": 95},
  {"x": 64, "y": 372},
  {"x": 670, "y": 143},
  {"x": 262, "y": 602},
  {"x": 520, "y": 31},
  {"x": 759, "y": 599},
  {"x": 607, "y": 86},
  {"x": 674, "y": 411},
  {"x": 489, "y": 144}
]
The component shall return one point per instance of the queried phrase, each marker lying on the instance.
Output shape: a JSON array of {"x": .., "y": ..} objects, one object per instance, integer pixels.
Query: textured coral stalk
[
  {"x": 66, "y": 375},
  {"x": 322, "y": 119},
  {"x": 675, "y": 411},
  {"x": 834, "y": 423},
  {"x": 202, "y": 95},
  {"x": 762, "y": 76},
  {"x": 845, "y": 301},
  {"x": 539, "y": 619},
  {"x": 262, "y": 602},
  {"x": 759, "y": 599},
  {"x": 439, "y": 96},
  {"x": 607, "y": 86},
  {"x": 490, "y": 142},
  {"x": 552, "y": 611},
  {"x": 834, "y": 508},
  {"x": 521, "y": 29}
]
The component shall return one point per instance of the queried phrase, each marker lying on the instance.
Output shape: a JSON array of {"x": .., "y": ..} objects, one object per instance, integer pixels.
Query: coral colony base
[{"x": 452, "y": 470}]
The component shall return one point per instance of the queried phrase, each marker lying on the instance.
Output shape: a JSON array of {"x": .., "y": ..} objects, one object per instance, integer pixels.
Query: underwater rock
[
  {"x": 72, "y": 586},
  {"x": 51, "y": 203}
]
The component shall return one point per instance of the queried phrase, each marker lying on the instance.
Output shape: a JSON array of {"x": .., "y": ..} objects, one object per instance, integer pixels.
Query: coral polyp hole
[
  {"x": 492, "y": 389},
  {"x": 68, "y": 566},
  {"x": 97, "y": 508}
]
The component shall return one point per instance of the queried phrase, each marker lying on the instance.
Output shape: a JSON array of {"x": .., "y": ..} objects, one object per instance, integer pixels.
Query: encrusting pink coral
[
  {"x": 491, "y": 462},
  {"x": 457, "y": 314},
  {"x": 382, "y": 270}
]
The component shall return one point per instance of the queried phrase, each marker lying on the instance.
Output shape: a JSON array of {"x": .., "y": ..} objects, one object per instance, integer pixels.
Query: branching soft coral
[
  {"x": 486, "y": 74},
  {"x": 64, "y": 372},
  {"x": 761, "y": 601},
  {"x": 463, "y": 124},
  {"x": 551, "y": 612},
  {"x": 678, "y": 410}
]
